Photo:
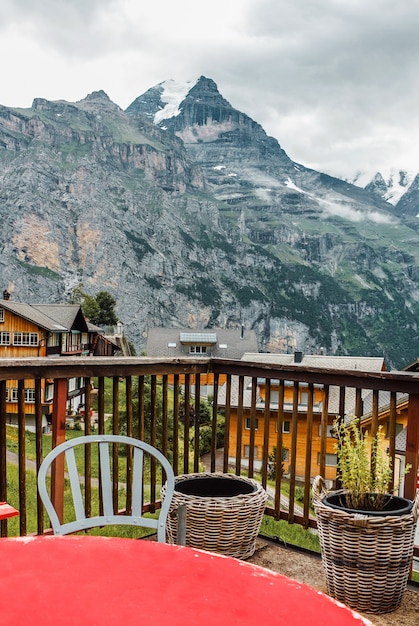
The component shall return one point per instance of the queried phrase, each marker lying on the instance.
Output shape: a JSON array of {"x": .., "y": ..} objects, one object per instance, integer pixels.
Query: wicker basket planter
[
  {"x": 223, "y": 512},
  {"x": 366, "y": 558}
]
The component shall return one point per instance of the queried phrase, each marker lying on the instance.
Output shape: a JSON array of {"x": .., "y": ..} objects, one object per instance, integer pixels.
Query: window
[
  {"x": 54, "y": 340},
  {"x": 331, "y": 431},
  {"x": 4, "y": 338},
  {"x": 247, "y": 452},
  {"x": 331, "y": 460},
  {"x": 286, "y": 427},
  {"x": 197, "y": 349},
  {"x": 248, "y": 423},
  {"x": 29, "y": 395},
  {"x": 285, "y": 454},
  {"x": 399, "y": 428},
  {"x": 25, "y": 339},
  {"x": 48, "y": 393},
  {"x": 304, "y": 398},
  {"x": 1, "y": 315}
]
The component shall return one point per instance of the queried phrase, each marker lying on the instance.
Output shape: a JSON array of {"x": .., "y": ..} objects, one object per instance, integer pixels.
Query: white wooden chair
[{"x": 109, "y": 515}]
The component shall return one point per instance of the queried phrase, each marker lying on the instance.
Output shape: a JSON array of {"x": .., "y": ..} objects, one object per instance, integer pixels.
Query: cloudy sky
[{"x": 335, "y": 81}]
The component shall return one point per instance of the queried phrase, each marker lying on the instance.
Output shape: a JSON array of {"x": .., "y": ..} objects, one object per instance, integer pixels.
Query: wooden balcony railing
[{"x": 262, "y": 406}]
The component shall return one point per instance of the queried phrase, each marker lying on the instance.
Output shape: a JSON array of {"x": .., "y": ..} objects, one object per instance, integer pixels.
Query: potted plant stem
[{"x": 366, "y": 532}]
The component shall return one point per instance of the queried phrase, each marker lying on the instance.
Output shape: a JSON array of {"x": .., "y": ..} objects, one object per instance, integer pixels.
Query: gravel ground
[{"x": 308, "y": 569}]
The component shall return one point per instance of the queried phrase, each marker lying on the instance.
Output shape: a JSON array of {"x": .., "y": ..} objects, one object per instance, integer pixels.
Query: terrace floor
[{"x": 307, "y": 568}]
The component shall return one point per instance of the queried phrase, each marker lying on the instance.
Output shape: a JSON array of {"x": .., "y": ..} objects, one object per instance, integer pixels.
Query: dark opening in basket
[
  {"x": 392, "y": 505},
  {"x": 218, "y": 487}
]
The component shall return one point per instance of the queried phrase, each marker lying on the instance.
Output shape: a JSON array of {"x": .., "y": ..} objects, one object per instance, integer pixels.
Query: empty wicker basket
[
  {"x": 366, "y": 558},
  {"x": 223, "y": 512}
]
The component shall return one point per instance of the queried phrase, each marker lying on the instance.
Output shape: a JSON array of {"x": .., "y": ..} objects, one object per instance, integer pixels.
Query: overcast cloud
[{"x": 335, "y": 81}]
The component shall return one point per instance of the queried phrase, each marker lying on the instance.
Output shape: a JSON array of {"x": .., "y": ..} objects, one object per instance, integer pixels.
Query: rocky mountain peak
[
  {"x": 390, "y": 185},
  {"x": 98, "y": 95}
]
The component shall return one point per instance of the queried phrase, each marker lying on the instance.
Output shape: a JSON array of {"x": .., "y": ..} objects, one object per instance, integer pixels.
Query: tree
[
  {"x": 272, "y": 462},
  {"x": 98, "y": 309},
  {"x": 204, "y": 413},
  {"x": 106, "y": 303},
  {"x": 148, "y": 412}
]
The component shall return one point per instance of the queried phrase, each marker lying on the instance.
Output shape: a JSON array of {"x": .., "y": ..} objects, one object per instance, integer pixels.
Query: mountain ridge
[{"x": 201, "y": 220}]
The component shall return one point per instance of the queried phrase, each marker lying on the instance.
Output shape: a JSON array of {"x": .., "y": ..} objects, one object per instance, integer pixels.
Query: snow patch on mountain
[{"x": 172, "y": 94}]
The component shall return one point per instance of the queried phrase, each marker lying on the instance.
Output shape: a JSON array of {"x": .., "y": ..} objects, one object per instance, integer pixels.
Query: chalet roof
[
  {"x": 367, "y": 364},
  {"x": 230, "y": 343},
  {"x": 69, "y": 315},
  {"x": 383, "y": 401},
  {"x": 412, "y": 367},
  {"x": 95, "y": 329},
  {"x": 54, "y": 318},
  {"x": 334, "y": 398},
  {"x": 363, "y": 364},
  {"x": 401, "y": 441}
]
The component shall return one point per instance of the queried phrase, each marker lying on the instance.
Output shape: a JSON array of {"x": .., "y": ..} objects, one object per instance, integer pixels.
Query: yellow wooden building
[
  {"x": 289, "y": 413},
  {"x": 29, "y": 330}
]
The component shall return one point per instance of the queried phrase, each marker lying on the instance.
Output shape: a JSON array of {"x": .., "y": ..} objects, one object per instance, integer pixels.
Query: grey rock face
[{"x": 200, "y": 219}]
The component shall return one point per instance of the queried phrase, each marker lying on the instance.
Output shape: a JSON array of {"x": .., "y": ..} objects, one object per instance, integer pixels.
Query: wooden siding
[
  {"x": 13, "y": 323},
  {"x": 256, "y": 438},
  {"x": 206, "y": 380},
  {"x": 249, "y": 436}
]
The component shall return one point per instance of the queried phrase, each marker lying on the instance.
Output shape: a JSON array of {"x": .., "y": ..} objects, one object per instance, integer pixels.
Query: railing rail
[{"x": 167, "y": 402}]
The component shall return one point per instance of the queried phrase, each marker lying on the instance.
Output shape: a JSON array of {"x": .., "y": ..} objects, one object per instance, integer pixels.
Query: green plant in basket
[{"x": 364, "y": 466}]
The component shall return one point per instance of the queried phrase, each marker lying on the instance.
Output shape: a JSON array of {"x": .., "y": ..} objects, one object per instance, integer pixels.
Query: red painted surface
[
  {"x": 104, "y": 581},
  {"x": 7, "y": 511}
]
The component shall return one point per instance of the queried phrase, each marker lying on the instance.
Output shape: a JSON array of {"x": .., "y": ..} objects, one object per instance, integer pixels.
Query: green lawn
[{"x": 292, "y": 534}]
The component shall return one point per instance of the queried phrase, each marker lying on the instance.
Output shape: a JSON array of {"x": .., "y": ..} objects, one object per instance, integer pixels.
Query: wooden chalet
[
  {"x": 43, "y": 330},
  {"x": 288, "y": 409}
]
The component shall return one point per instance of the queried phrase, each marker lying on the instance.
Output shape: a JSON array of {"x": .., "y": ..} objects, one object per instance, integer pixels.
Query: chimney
[
  {"x": 6, "y": 295},
  {"x": 298, "y": 357}
]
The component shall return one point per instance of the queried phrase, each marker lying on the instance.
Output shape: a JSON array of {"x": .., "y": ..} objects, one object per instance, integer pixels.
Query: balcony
[{"x": 173, "y": 384}]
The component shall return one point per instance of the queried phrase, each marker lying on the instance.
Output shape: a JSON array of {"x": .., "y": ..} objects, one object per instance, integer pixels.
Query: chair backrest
[{"x": 109, "y": 515}]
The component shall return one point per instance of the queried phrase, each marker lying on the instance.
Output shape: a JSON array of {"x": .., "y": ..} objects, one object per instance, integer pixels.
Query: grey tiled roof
[
  {"x": 383, "y": 401},
  {"x": 367, "y": 364},
  {"x": 334, "y": 396},
  {"x": 52, "y": 317},
  {"x": 64, "y": 314},
  {"x": 401, "y": 441},
  {"x": 363, "y": 364},
  {"x": 230, "y": 342}
]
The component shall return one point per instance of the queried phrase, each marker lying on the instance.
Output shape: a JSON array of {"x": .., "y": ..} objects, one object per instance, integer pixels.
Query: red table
[{"x": 82, "y": 580}]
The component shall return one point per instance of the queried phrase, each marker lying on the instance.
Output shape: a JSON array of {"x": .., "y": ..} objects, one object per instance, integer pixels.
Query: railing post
[
  {"x": 412, "y": 446},
  {"x": 3, "y": 454},
  {"x": 58, "y": 436}
]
